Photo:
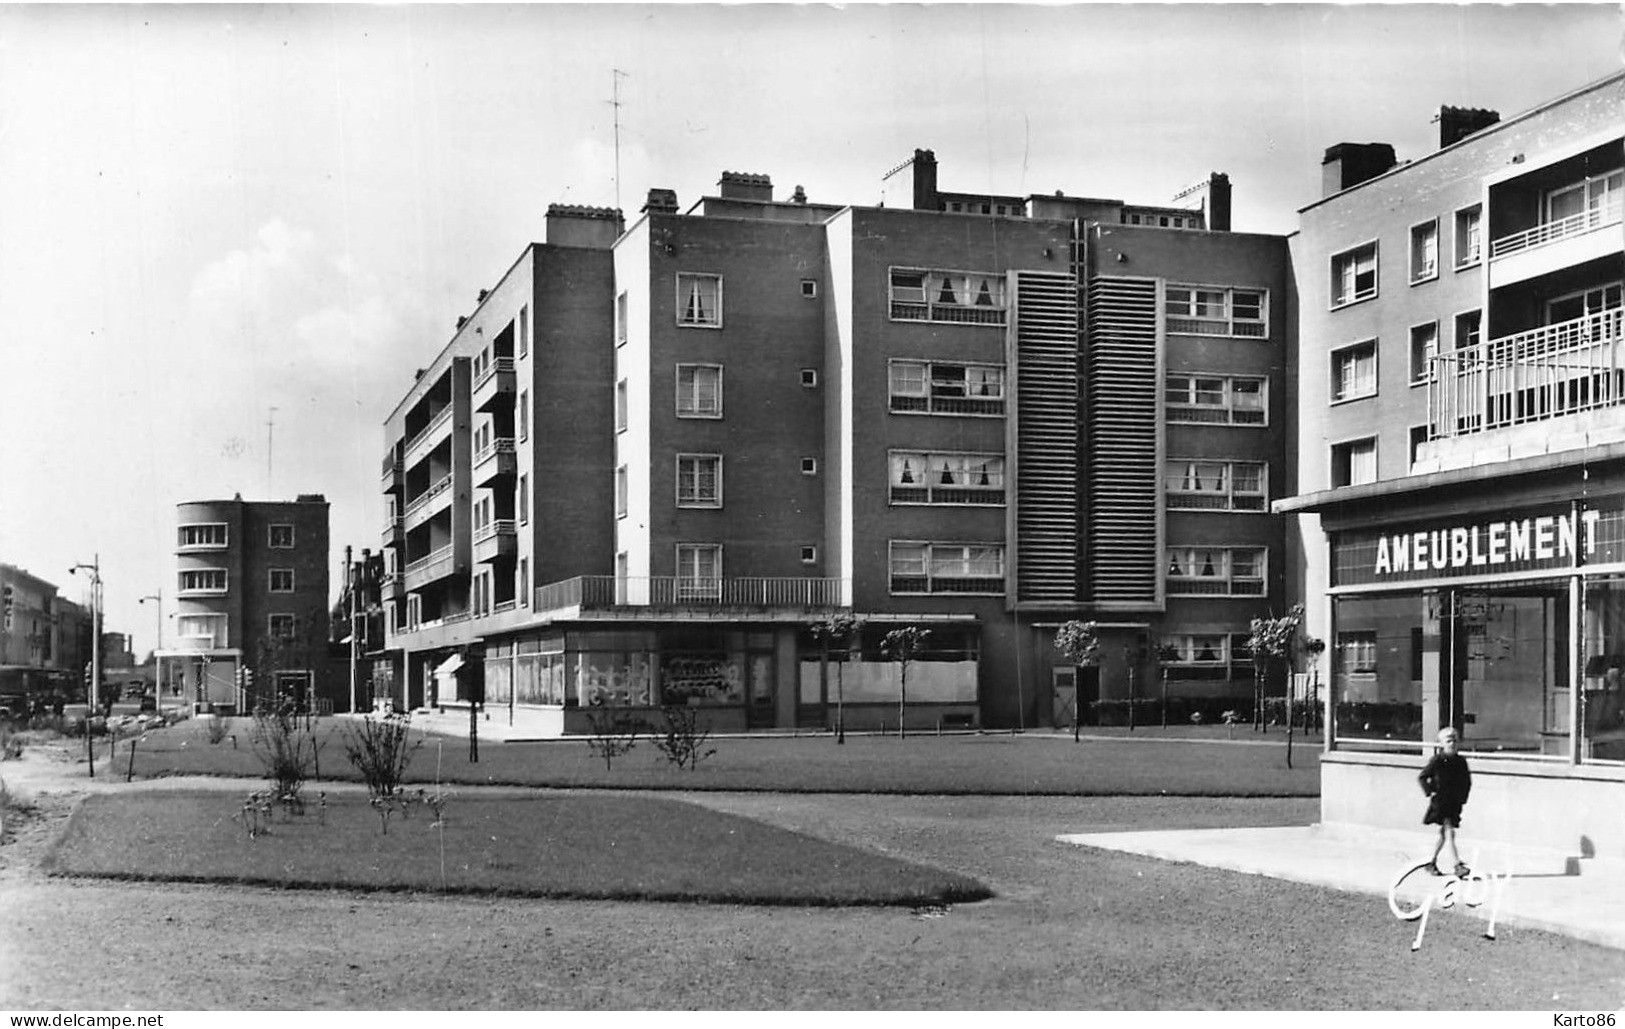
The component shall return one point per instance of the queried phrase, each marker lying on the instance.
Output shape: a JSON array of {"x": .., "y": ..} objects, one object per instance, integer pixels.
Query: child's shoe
[
  {"x": 1462, "y": 871},
  {"x": 1432, "y": 869}
]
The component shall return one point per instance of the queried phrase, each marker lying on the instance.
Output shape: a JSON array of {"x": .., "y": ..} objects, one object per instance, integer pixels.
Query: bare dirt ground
[{"x": 1069, "y": 929}]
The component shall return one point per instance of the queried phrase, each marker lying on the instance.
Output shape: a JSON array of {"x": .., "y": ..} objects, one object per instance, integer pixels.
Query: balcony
[
  {"x": 428, "y": 437},
  {"x": 1593, "y": 218},
  {"x": 392, "y": 473},
  {"x": 495, "y": 460},
  {"x": 1557, "y": 244},
  {"x": 495, "y": 540},
  {"x": 609, "y": 593},
  {"x": 436, "y": 566},
  {"x": 1549, "y": 372},
  {"x": 428, "y": 503},
  {"x": 394, "y": 530},
  {"x": 493, "y": 384}
]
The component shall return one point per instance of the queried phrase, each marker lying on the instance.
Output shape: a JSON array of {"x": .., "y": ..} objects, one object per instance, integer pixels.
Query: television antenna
[{"x": 616, "y": 75}]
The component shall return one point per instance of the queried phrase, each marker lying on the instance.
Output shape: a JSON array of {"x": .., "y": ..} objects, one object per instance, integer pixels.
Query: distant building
[
  {"x": 27, "y": 619},
  {"x": 251, "y": 597}
]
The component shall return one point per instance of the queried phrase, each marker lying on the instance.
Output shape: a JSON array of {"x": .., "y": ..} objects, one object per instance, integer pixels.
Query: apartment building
[
  {"x": 27, "y": 619},
  {"x": 251, "y": 615},
  {"x": 1461, "y": 411},
  {"x": 746, "y": 416}
]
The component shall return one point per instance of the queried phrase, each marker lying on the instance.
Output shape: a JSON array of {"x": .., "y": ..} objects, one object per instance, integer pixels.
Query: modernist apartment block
[
  {"x": 1461, "y": 464},
  {"x": 251, "y": 614},
  {"x": 653, "y": 455}
]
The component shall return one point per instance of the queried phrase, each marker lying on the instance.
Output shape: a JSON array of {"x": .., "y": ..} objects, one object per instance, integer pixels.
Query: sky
[{"x": 229, "y": 234}]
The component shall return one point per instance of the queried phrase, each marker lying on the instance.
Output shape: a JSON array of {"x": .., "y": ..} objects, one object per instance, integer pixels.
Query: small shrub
[
  {"x": 380, "y": 749},
  {"x": 13, "y": 803},
  {"x": 612, "y": 735},
  {"x": 1196, "y": 718},
  {"x": 11, "y": 743},
  {"x": 285, "y": 752},
  {"x": 682, "y": 740}
]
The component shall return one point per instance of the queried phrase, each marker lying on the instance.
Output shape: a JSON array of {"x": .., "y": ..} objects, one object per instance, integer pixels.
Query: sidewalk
[{"x": 1568, "y": 894}]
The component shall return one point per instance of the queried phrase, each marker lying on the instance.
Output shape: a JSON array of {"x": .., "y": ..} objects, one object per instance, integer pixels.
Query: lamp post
[
  {"x": 158, "y": 644},
  {"x": 95, "y": 569}
]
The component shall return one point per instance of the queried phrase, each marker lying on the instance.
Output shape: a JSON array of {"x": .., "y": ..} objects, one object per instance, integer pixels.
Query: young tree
[
  {"x": 1166, "y": 653},
  {"x": 1272, "y": 641},
  {"x": 836, "y": 633},
  {"x": 904, "y": 645},
  {"x": 1079, "y": 642},
  {"x": 1313, "y": 647}
]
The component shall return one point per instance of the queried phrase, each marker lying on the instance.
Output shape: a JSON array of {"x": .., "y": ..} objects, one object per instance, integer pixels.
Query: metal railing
[
  {"x": 440, "y": 418},
  {"x": 431, "y": 567},
  {"x": 676, "y": 590},
  {"x": 1217, "y": 327},
  {"x": 492, "y": 529},
  {"x": 496, "y": 367},
  {"x": 1550, "y": 232},
  {"x": 498, "y": 445},
  {"x": 429, "y": 494},
  {"x": 1548, "y": 372}
]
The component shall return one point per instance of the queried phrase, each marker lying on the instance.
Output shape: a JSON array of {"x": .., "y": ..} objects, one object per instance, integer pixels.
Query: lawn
[
  {"x": 1026, "y": 765},
  {"x": 582, "y": 846}
]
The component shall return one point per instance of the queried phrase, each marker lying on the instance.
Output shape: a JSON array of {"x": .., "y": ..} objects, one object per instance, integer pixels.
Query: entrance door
[{"x": 1064, "y": 696}]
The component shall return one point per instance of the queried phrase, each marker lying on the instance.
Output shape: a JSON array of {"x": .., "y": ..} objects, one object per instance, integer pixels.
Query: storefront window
[
  {"x": 1602, "y": 703},
  {"x": 1377, "y": 697}
]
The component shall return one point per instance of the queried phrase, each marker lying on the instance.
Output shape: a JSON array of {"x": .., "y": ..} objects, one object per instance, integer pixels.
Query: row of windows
[
  {"x": 1216, "y": 310},
  {"x": 214, "y": 534},
  {"x": 1354, "y": 367},
  {"x": 213, "y": 628},
  {"x": 1354, "y": 272},
  {"x": 216, "y": 580}
]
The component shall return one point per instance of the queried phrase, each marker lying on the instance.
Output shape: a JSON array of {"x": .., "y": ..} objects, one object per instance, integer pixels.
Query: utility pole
[
  {"x": 617, "y": 75},
  {"x": 349, "y": 589},
  {"x": 95, "y": 650}
]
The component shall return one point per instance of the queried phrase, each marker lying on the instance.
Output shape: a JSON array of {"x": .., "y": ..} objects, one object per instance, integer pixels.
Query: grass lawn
[
  {"x": 588, "y": 845},
  {"x": 1031, "y": 764}
]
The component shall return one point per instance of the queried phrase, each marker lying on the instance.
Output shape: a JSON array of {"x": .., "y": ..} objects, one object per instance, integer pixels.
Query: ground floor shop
[{"x": 1497, "y": 609}]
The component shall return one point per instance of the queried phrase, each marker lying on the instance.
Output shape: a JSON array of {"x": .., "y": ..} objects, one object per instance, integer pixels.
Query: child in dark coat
[{"x": 1447, "y": 781}]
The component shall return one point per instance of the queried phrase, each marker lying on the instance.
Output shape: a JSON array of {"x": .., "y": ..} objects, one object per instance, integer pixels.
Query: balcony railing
[
  {"x": 494, "y": 459},
  {"x": 679, "y": 591},
  {"x": 490, "y": 530},
  {"x": 392, "y": 467},
  {"x": 1590, "y": 219},
  {"x": 429, "y": 494},
  {"x": 496, "y": 367},
  {"x": 1549, "y": 372},
  {"x": 425, "y": 570},
  {"x": 440, "y": 419}
]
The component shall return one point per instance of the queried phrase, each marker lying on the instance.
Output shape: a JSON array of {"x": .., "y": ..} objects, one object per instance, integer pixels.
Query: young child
[{"x": 1447, "y": 781}]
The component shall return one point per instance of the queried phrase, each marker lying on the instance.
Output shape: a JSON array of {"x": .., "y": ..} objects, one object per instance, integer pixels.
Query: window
[
  {"x": 1358, "y": 651},
  {"x": 281, "y": 627},
  {"x": 620, "y": 492},
  {"x": 1469, "y": 239},
  {"x": 1354, "y": 371},
  {"x": 1424, "y": 251},
  {"x": 699, "y": 480},
  {"x": 1467, "y": 326},
  {"x": 524, "y": 330},
  {"x": 1419, "y": 436},
  {"x": 699, "y": 391},
  {"x": 281, "y": 537},
  {"x": 1591, "y": 203},
  {"x": 973, "y": 298},
  {"x": 1216, "y": 311},
  {"x": 938, "y": 387},
  {"x": 1208, "y": 655},
  {"x": 204, "y": 535},
  {"x": 1205, "y": 485},
  {"x": 204, "y": 627},
  {"x": 1216, "y": 571},
  {"x": 1424, "y": 347},
  {"x": 809, "y": 555},
  {"x": 809, "y": 466},
  {"x": 620, "y": 319},
  {"x": 1354, "y": 462},
  {"x": 1354, "y": 275},
  {"x": 699, "y": 300},
  {"x": 809, "y": 378},
  {"x": 524, "y": 582},
  {"x": 1219, "y": 399},
  {"x": 917, "y": 477},
  {"x": 947, "y": 567},
  {"x": 620, "y": 406},
  {"x": 1583, "y": 303},
  {"x": 699, "y": 571},
  {"x": 524, "y": 499},
  {"x": 524, "y": 414},
  {"x": 281, "y": 580},
  {"x": 809, "y": 288}
]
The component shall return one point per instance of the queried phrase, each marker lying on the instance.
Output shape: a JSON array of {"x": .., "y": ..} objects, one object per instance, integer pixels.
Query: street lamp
[
  {"x": 158, "y": 644},
  {"x": 95, "y": 569}
]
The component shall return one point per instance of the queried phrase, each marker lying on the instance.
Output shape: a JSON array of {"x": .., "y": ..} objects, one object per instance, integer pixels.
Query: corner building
[
  {"x": 1461, "y": 397},
  {"x": 972, "y": 415}
]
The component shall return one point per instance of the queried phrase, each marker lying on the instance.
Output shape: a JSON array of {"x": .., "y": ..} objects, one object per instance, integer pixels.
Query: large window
[
  {"x": 1217, "y": 311},
  {"x": 210, "y": 630},
  {"x": 918, "y": 567},
  {"x": 922, "y": 295},
  {"x": 1354, "y": 275},
  {"x": 281, "y": 537},
  {"x": 210, "y": 535},
  {"x": 1204, "y": 485},
  {"x": 281, "y": 627},
  {"x": 1467, "y": 331},
  {"x": 1425, "y": 251},
  {"x": 699, "y": 391},
  {"x": 699, "y": 300},
  {"x": 1216, "y": 571},
  {"x": 203, "y": 580},
  {"x": 1354, "y": 371},
  {"x": 1582, "y": 303},
  {"x": 281, "y": 580},
  {"x": 699, "y": 571},
  {"x": 1216, "y": 399},
  {"x": 1208, "y": 655},
  {"x": 917, "y": 477},
  {"x": 941, "y": 387},
  {"x": 1424, "y": 346},
  {"x": 1354, "y": 462},
  {"x": 699, "y": 480},
  {"x": 1469, "y": 236},
  {"x": 1592, "y": 202}
]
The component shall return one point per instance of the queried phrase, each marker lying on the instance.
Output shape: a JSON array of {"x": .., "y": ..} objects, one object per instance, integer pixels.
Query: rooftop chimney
[
  {"x": 1348, "y": 164},
  {"x": 1218, "y": 202},
  {"x": 661, "y": 201},
  {"x": 596, "y": 227},
  {"x": 1457, "y": 123},
  {"x": 799, "y": 196},
  {"x": 745, "y": 186}
]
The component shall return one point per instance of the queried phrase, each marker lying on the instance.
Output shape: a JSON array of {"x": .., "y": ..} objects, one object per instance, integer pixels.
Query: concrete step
[{"x": 1482, "y": 855}]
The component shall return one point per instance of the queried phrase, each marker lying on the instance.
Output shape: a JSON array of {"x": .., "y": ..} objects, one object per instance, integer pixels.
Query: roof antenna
[
  {"x": 616, "y": 76},
  {"x": 270, "y": 428}
]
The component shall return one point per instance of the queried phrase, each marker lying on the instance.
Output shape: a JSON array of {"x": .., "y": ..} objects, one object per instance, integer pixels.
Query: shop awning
[{"x": 450, "y": 665}]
